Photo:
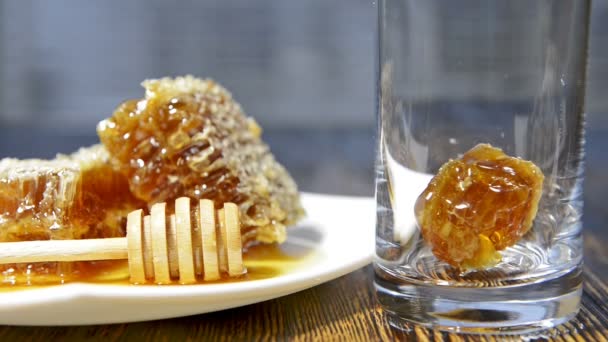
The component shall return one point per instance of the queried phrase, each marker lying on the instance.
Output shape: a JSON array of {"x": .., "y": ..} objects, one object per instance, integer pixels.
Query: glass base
[{"x": 515, "y": 309}]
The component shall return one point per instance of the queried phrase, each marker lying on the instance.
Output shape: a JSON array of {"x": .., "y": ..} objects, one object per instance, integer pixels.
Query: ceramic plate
[{"x": 335, "y": 238}]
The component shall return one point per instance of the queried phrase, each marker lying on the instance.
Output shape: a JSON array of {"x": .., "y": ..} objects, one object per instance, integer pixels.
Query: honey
[
  {"x": 72, "y": 197},
  {"x": 78, "y": 196},
  {"x": 188, "y": 137},
  {"x": 263, "y": 261},
  {"x": 478, "y": 205}
]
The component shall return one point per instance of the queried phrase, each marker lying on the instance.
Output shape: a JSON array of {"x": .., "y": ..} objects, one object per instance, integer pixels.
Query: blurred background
[{"x": 304, "y": 69}]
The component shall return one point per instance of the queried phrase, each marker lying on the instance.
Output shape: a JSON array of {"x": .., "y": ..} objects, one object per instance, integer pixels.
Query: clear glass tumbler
[{"x": 453, "y": 74}]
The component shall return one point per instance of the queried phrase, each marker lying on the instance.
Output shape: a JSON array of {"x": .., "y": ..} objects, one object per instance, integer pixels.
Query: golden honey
[
  {"x": 477, "y": 205},
  {"x": 263, "y": 261},
  {"x": 188, "y": 137}
]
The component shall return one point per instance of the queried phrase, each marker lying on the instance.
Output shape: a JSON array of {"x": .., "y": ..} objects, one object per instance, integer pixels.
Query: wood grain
[{"x": 343, "y": 309}]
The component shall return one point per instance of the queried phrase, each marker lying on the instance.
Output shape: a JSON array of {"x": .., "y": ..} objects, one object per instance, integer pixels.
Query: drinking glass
[{"x": 453, "y": 74}]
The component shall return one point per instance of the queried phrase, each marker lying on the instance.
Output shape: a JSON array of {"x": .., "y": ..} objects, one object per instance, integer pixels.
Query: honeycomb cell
[{"x": 478, "y": 205}]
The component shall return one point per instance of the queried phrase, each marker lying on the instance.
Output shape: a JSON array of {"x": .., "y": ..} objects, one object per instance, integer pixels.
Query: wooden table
[{"x": 345, "y": 309}]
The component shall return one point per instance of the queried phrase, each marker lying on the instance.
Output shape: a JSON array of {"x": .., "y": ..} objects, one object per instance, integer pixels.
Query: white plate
[{"x": 338, "y": 232}]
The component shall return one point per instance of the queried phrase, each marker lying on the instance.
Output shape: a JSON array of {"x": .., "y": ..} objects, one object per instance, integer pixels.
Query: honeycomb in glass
[
  {"x": 478, "y": 205},
  {"x": 189, "y": 137}
]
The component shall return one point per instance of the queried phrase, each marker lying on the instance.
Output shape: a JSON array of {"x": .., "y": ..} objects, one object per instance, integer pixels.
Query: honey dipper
[{"x": 157, "y": 247}]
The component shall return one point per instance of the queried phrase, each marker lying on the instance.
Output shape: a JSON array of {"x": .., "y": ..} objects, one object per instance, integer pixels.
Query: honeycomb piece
[
  {"x": 188, "y": 137},
  {"x": 34, "y": 194},
  {"x": 477, "y": 205},
  {"x": 70, "y": 197},
  {"x": 104, "y": 199}
]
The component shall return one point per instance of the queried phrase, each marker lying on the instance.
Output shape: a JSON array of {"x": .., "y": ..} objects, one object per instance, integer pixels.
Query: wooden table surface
[{"x": 344, "y": 309}]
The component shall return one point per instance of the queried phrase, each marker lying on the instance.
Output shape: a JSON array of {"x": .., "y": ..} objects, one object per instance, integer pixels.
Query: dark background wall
[{"x": 66, "y": 64}]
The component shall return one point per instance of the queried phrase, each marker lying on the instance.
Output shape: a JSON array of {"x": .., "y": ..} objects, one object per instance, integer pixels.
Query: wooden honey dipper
[{"x": 157, "y": 247}]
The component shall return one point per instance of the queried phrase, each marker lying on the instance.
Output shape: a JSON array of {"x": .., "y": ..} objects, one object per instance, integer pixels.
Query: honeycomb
[
  {"x": 188, "y": 137},
  {"x": 478, "y": 205},
  {"x": 70, "y": 197}
]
